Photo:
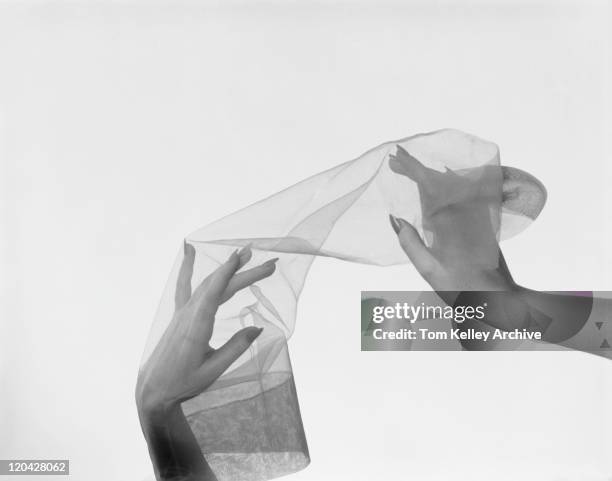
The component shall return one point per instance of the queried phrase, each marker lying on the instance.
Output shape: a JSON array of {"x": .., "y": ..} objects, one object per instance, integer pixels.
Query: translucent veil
[{"x": 248, "y": 422}]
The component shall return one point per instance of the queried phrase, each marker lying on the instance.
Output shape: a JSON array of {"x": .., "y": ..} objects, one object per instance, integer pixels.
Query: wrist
[{"x": 152, "y": 409}]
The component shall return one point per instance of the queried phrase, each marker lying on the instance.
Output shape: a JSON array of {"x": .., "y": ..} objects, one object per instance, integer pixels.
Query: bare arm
[
  {"x": 463, "y": 257},
  {"x": 183, "y": 364},
  {"x": 173, "y": 448}
]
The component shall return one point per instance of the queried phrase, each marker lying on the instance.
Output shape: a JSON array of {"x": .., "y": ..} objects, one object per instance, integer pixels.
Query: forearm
[
  {"x": 563, "y": 318},
  {"x": 566, "y": 312},
  {"x": 173, "y": 448},
  {"x": 581, "y": 320}
]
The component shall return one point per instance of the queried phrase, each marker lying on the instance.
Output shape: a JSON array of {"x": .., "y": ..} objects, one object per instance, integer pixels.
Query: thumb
[
  {"x": 220, "y": 360},
  {"x": 414, "y": 247}
]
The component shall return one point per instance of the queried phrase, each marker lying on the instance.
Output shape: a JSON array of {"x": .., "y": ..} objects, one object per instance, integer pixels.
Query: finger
[
  {"x": 220, "y": 360},
  {"x": 183, "y": 283},
  {"x": 405, "y": 164},
  {"x": 207, "y": 295},
  {"x": 245, "y": 255},
  {"x": 415, "y": 248},
  {"x": 248, "y": 277}
]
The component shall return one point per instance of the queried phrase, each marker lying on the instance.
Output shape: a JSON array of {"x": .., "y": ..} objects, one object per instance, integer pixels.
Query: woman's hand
[
  {"x": 461, "y": 213},
  {"x": 184, "y": 364}
]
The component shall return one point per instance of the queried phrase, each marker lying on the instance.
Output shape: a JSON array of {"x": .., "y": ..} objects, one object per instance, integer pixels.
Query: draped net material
[{"x": 248, "y": 422}]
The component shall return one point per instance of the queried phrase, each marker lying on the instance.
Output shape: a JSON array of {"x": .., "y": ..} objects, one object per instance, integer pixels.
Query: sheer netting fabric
[{"x": 248, "y": 422}]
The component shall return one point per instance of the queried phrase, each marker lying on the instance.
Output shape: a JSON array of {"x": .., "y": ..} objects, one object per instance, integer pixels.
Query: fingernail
[
  {"x": 271, "y": 261},
  {"x": 245, "y": 249},
  {"x": 402, "y": 223},
  {"x": 254, "y": 333},
  {"x": 394, "y": 223}
]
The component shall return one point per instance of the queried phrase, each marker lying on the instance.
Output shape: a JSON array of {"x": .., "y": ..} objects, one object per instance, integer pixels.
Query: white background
[{"x": 124, "y": 126}]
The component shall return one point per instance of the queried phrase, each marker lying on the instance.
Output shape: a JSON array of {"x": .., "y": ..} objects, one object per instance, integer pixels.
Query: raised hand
[
  {"x": 460, "y": 213},
  {"x": 184, "y": 364}
]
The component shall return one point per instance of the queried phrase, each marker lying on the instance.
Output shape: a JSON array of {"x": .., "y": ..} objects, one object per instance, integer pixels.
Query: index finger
[
  {"x": 207, "y": 295},
  {"x": 183, "y": 283},
  {"x": 404, "y": 163}
]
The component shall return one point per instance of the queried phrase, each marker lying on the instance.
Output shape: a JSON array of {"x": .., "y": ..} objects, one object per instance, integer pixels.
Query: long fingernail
[
  {"x": 402, "y": 223},
  {"x": 245, "y": 249},
  {"x": 270, "y": 262},
  {"x": 254, "y": 333},
  {"x": 394, "y": 223}
]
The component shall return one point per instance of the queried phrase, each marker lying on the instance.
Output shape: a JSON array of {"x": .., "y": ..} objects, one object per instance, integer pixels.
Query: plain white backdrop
[{"x": 126, "y": 125}]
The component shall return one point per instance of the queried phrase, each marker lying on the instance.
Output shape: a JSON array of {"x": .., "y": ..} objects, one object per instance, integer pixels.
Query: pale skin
[
  {"x": 462, "y": 255},
  {"x": 184, "y": 364}
]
